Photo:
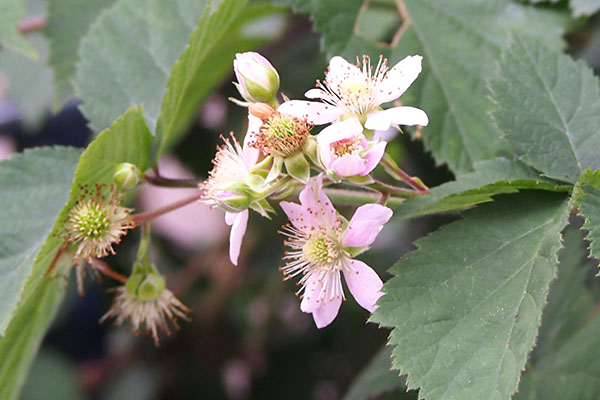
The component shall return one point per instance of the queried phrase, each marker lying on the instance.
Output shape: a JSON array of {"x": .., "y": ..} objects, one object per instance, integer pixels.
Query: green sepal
[
  {"x": 297, "y": 167},
  {"x": 360, "y": 180},
  {"x": 275, "y": 169}
]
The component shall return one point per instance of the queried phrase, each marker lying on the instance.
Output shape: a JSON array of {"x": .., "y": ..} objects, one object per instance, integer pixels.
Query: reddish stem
[
  {"x": 399, "y": 174},
  {"x": 142, "y": 217},
  {"x": 103, "y": 267},
  {"x": 32, "y": 24},
  {"x": 158, "y": 180}
]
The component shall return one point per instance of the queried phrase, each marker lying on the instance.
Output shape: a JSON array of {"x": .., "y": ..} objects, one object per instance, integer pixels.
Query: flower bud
[
  {"x": 126, "y": 176},
  {"x": 257, "y": 80},
  {"x": 233, "y": 198}
]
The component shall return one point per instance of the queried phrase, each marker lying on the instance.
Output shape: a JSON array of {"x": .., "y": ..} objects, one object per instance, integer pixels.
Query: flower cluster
[{"x": 282, "y": 155}]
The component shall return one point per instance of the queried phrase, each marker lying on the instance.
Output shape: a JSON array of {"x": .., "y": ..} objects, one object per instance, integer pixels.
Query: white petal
[
  {"x": 365, "y": 225},
  {"x": 313, "y": 112},
  {"x": 382, "y": 120},
  {"x": 325, "y": 314},
  {"x": 238, "y": 230},
  {"x": 399, "y": 78},
  {"x": 316, "y": 94},
  {"x": 364, "y": 284},
  {"x": 341, "y": 71},
  {"x": 250, "y": 153},
  {"x": 312, "y": 298}
]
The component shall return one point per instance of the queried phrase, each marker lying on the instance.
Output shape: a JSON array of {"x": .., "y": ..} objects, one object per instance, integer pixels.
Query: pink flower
[
  {"x": 322, "y": 252},
  {"x": 344, "y": 149},
  {"x": 357, "y": 90}
]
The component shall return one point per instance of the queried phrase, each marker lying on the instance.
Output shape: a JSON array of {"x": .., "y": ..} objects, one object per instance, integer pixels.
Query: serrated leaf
[
  {"x": 377, "y": 378},
  {"x": 204, "y": 64},
  {"x": 466, "y": 305},
  {"x": 549, "y": 108},
  {"x": 68, "y": 21},
  {"x": 127, "y": 140},
  {"x": 126, "y": 57},
  {"x": 11, "y": 12},
  {"x": 588, "y": 201},
  {"x": 35, "y": 187},
  {"x": 566, "y": 364},
  {"x": 460, "y": 40},
  {"x": 489, "y": 179},
  {"x": 584, "y": 7}
]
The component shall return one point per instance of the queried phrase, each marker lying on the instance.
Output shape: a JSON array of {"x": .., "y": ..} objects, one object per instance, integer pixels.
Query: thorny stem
[
  {"x": 142, "y": 217},
  {"x": 158, "y": 180},
  {"x": 397, "y": 173},
  {"x": 103, "y": 268}
]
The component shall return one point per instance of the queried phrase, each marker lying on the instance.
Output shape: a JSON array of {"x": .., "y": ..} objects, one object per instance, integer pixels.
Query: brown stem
[
  {"x": 142, "y": 217},
  {"x": 32, "y": 24},
  {"x": 158, "y": 180},
  {"x": 103, "y": 267},
  {"x": 397, "y": 173}
]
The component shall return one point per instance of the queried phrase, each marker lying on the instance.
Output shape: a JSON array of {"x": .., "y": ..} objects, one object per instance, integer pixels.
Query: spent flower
[
  {"x": 359, "y": 90},
  {"x": 322, "y": 246}
]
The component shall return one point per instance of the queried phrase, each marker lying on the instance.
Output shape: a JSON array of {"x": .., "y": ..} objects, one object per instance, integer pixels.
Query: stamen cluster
[{"x": 281, "y": 135}]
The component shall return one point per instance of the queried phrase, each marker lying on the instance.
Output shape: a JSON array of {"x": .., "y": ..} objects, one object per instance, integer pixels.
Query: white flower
[{"x": 357, "y": 90}]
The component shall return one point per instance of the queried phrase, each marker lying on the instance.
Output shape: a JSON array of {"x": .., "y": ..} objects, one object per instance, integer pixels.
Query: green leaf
[
  {"x": 35, "y": 187},
  {"x": 584, "y": 7},
  {"x": 460, "y": 40},
  {"x": 376, "y": 379},
  {"x": 127, "y": 140},
  {"x": 549, "y": 108},
  {"x": 126, "y": 57},
  {"x": 567, "y": 358},
  {"x": 53, "y": 377},
  {"x": 204, "y": 63},
  {"x": 489, "y": 179},
  {"x": 466, "y": 305},
  {"x": 68, "y": 21},
  {"x": 11, "y": 12},
  {"x": 588, "y": 201}
]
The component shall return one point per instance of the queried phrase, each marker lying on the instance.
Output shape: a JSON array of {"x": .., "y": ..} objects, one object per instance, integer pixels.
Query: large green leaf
[
  {"x": 126, "y": 57},
  {"x": 204, "y": 63},
  {"x": 460, "y": 40},
  {"x": 466, "y": 305},
  {"x": 35, "y": 186},
  {"x": 11, "y": 12},
  {"x": 588, "y": 201},
  {"x": 549, "y": 108},
  {"x": 127, "y": 140},
  {"x": 584, "y": 7},
  {"x": 490, "y": 178},
  {"x": 566, "y": 364},
  {"x": 68, "y": 21}
]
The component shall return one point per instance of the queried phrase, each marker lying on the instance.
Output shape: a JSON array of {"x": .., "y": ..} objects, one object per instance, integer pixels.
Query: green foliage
[
  {"x": 204, "y": 64},
  {"x": 567, "y": 358},
  {"x": 68, "y": 22},
  {"x": 466, "y": 305},
  {"x": 11, "y": 12},
  {"x": 457, "y": 38},
  {"x": 35, "y": 187},
  {"x": 126, "y": 57},
  {"x": 489, "y": 179},
  {"x": 52, "y": 377},
  {"x": 588, "y": 201},
  {"x": 549, "y": 108}
]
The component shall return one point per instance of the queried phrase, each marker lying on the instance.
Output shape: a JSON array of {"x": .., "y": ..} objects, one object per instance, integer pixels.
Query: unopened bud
[
  {"x": 257, "y": 80},
  {"x": 234, "y": 198},
  {"x": 126, "y": 176},
  {"x": 261, "y": 110}
]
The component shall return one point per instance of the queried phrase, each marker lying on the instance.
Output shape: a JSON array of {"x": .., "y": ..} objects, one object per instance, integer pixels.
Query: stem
[
  {"x": 142, "y": 217},
  {"x": 397, "y": 173},
  {"x": 394, "y": 190},
  {"x": 347, "y": 196},
  {"x": 161, "y": 181},
  {"x": 32, "y": 24},
  {"x": 103, "y": 267}
]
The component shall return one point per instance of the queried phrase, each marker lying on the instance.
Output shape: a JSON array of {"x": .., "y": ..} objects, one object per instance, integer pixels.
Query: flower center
[
  {"x": 91, "y": 221},
  {"x": 320, "y": 251},
  {"x": 347, "y": 147},
  {"x": 281, "y": 135}
]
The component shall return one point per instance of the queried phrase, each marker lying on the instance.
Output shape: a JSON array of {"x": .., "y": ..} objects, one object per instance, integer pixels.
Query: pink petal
[
  {"x": 313, "y": 297},
  {"x": 365, "y": 225},
  {"x": 364, "y": 284},
  {"x": 399, "y": 78},
  {"x": 298, "y": 216},
  {"x": 313, "y": 112},
  {"x": 250, "y": 153},
  {"x": 239, "y": 222},
  {"x": 325, "y": 314},
  {"x": 373, "y": 157},
  {"x": 381, "y": 120},
  {"x": 317, "y": 204},
  {"x": 347, "y": 129},
  {"x": 349, "y": 165}
]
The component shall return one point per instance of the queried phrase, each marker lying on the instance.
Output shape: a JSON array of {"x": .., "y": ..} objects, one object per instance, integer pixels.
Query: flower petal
[
  {"x": 250, "y": 153},
  {"x": 364, "y": 284},
  {"x": 317, "y": 94},
  {"x": 298, "y": 216},
  {"x": 340, "y": 72},
  {"x": 313, "y": 296},
  {"x": 381, "y": 120},
  {"x": 314, "y": 113},
  {"x": 317, "y": 204},
  {"x": 239, "y": 222},
  {"x": 326, "y": 313},
  {"x": 349, "y": 165},
  {"x": 365, "y": 225},
  {"x": 347, "y": 129},
  {"x": 399, "y": 78},
  {"x": 373, "y": 157}
]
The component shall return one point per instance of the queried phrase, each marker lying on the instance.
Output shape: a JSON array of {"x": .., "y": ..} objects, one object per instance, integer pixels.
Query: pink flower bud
[{"x": 257, "y": 80}]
